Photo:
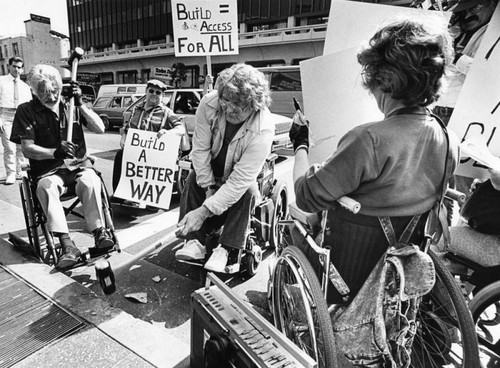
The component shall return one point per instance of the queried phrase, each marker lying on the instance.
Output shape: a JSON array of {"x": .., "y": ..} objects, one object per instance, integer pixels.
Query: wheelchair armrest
[{"x": 311, "y": 220}]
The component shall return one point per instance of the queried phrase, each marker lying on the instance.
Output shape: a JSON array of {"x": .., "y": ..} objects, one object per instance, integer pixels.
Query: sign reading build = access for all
[{"x": 205, "y": 27}]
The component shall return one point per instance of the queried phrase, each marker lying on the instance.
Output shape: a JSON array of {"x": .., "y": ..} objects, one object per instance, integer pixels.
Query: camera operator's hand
[
  {"x": 299, "y": 132},
  {"x": 75, "y": 91},
  {"x": 65, "y": 150}
]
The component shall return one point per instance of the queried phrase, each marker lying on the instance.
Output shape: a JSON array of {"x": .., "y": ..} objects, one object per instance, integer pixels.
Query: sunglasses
[{"x": 155, "y": 91}]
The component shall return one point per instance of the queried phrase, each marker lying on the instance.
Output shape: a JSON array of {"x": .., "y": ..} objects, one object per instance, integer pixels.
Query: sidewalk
[{"x": 110, "y": 337}]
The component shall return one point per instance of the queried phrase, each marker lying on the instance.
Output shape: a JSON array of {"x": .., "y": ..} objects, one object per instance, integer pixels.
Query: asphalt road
[{"x": 167, "y": 283}]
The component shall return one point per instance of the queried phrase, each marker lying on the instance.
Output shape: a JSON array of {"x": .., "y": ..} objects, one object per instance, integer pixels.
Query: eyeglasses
[
  {"x": 225, "y": 104},
  {"x": 155, "y": 91}
]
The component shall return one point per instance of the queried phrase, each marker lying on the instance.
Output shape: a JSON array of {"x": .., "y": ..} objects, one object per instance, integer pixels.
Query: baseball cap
[
  {"x": 466, "y": 4},
  {"x": 157, "y": 83}
]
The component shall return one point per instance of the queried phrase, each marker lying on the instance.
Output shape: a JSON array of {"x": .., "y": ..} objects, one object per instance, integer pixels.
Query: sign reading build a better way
[{"x": 205, "y": 27}]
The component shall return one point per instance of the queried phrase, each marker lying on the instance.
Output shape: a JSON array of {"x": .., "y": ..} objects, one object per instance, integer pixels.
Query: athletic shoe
[
  {"x": 103, "y": 238},
  {"x": 218, "y": 260},
  {"x": 192, "y": 250},
  {"x": 71, "y": 255},
  {"x": 10, "y": 179}
]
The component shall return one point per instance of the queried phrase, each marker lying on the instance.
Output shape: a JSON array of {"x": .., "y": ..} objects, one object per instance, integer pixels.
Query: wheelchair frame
[
  {"x": 36, "y": 221},
  {"x": 263, "y": 227},
  {"x": 295, "y": 288}
]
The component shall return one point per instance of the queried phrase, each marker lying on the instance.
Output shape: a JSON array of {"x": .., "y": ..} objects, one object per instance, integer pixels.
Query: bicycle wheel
[
  {"x": 485, "y": 309},
  {"x": 445, "y": 334},
  {"x": 300, "y": 309}
]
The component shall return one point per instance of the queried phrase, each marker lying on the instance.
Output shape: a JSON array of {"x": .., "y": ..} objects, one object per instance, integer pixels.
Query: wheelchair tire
[
  {"x": 485, "y": 309},
  {"x": 299, "y": 308},
  {"x": 253, "y": 260},
  {"x": 30, "y": 216},
  {"x": 445, "y": 333},
  {"x": 280, "y": 212}
]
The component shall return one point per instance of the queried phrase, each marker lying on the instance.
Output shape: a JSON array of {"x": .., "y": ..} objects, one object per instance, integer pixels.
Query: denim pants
[
  {"x": 87, "y": 188},
  {"x": 235, "y": 220}
]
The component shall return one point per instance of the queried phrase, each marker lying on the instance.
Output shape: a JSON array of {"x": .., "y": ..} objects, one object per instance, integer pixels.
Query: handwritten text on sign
[
  {"x": 205, "y": 27},
  {"x": 148, "y": 168}
]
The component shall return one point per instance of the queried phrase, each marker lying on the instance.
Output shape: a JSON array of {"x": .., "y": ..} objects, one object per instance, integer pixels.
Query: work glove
[
  {"x": 75, "y": 91},
  {"x": 65, "y": 150},
  {"x": 299, "y": 132}
]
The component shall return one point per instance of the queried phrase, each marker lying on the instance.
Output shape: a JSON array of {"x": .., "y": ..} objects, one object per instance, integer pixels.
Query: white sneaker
[
  {"x": 218, "y": 260},
  {"x": 192, "y": 250},
  {"x": 10, "y": 179}
]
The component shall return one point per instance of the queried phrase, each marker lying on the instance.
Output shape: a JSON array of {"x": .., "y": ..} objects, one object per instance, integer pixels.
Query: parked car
[
  {"x": 111, "y": 108},
  {"x": 183, "y": 102}
]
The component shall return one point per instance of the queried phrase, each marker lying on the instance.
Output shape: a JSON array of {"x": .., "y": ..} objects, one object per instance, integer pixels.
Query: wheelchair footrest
[{"x": 97, "y": 252}]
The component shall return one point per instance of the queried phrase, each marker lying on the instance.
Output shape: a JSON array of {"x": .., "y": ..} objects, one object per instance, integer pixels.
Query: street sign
[{"x": 205, "y": 27}]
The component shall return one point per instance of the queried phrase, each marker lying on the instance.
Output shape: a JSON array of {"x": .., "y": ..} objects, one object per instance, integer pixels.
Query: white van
[
  {"x": 285, "y": 84},
  {"x": 121, "y": 89}
]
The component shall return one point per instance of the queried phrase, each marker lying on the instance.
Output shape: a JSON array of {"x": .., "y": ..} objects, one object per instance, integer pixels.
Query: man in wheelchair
[
  {"x": 231, "y": 142},
  {"x": 56, "y": 162}
]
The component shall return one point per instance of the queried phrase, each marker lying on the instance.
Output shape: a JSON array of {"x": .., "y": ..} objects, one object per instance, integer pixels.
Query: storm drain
[{"x": 28, "y": 321}]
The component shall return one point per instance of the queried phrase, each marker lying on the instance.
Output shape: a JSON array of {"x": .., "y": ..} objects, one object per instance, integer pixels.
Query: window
[
  {"x": 15, "y": 49},
  {"x": 117, "y": 102},
  {"x": 1, "y": 54},
  {"x": 286, "y": 81},
  {"x": 6, "y": 51},
  {"x": 102, "y": 102}
]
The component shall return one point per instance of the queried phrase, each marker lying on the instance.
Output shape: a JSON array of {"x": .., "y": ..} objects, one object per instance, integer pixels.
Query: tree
[{"x": 178, "y": 74}]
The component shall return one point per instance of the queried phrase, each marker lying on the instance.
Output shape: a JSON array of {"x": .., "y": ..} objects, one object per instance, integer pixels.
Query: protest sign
[
  {"x": 334, "y": 99},
  {"x": 148, "y": 168},
  {"x": 477, "y": 112},
  {"x": 205, "y": 27}
]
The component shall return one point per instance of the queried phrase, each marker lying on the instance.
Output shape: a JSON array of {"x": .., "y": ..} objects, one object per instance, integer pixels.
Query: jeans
[{"x": 235, "y": 220}]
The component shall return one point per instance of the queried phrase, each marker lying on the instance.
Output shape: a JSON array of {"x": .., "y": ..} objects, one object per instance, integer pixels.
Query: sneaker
[
  {"x": 102, "y": 238},
  {"x": 192, "y": 250},
  {"x": 10, "y": 179},
  {"x": 218, "y": 260},
  {"x": 71, "y": 256}
]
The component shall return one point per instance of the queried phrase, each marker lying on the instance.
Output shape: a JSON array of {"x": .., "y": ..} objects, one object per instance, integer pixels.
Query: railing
[{"x": 268, "y": 37}]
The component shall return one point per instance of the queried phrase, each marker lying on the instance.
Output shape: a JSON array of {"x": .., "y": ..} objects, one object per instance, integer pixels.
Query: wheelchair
[
  {"x": 298, "y": 294},
  {"x": 263, "y": 228},
  {"x": 41, "y": 241}
]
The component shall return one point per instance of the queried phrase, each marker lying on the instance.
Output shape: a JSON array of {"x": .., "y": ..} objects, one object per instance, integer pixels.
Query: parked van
[
  {"x": 121, "y": 89},
  {"x": 285, "y": 84}
]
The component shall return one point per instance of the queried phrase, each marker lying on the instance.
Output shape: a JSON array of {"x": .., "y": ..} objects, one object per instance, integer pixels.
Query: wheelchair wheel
[
  {"x": 445, "y": 335},
  {"x": 280, "y": 201},
  {"x": 30, "y": 216},
  {"x": 485, "y": 308},
  {"x": 299, "y": 307}
]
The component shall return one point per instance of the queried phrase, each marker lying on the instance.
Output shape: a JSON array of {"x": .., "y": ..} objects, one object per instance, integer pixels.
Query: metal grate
[{"x": 28, "y": 321}]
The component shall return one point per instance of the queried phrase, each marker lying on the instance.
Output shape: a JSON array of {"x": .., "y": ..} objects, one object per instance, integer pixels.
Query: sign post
[{"x": 205, "y": 28}]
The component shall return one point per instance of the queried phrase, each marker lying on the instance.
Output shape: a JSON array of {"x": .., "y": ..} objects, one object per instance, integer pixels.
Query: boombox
[{"x": 227, "y": 333}]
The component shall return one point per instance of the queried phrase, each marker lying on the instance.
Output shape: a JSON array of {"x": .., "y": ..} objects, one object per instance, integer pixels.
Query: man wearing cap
[
  {"x": 151, "y": 115},
  {"x": 470, "y": 18}
]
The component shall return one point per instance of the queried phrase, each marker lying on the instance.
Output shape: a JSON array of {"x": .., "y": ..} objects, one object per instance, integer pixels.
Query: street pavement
[{"x": 120, "y": 329}]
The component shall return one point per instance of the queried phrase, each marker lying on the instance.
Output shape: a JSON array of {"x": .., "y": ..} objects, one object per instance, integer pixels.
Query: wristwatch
[{"x": 211, "y": 187}]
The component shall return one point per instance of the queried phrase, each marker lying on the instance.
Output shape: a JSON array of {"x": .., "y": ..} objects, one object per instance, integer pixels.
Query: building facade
[
  {"x": 130, "y": 41},
  {"x": 40, "y": 45}
]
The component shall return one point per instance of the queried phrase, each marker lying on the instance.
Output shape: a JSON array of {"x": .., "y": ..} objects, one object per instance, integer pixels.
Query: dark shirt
[
  {"x": 36, "y": 122},
  {"x": 219, "y": 161}
]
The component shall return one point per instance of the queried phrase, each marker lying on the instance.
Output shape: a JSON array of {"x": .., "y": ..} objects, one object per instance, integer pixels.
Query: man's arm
[
  {"x": 94, "y": 122},
  {"x": 36, "y": 152}
]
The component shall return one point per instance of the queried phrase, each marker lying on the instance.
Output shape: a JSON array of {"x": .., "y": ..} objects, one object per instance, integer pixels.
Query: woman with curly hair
[
  {"x": 232, "y": 139},
  {"x": 393, "y": 167}
]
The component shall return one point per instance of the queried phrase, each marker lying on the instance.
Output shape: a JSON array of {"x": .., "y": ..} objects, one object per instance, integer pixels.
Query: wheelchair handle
[
  {"x": 455, "y": 195},
  {"x": 349, "y": 204}
]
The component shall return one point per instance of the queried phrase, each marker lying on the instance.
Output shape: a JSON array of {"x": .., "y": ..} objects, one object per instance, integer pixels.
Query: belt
[{"x": 443, "y": 110}]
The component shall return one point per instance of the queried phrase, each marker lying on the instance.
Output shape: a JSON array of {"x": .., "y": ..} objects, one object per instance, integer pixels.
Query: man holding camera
[{"x": 40, "y": 126}]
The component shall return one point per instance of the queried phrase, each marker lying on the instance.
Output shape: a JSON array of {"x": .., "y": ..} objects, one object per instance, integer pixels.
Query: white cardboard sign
[
  {"x": 205, "y": 27},
  {"x": 477, "y": 112},
  {"x": 334, "y": 99},
  {"x": 148, "y": 168}
]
